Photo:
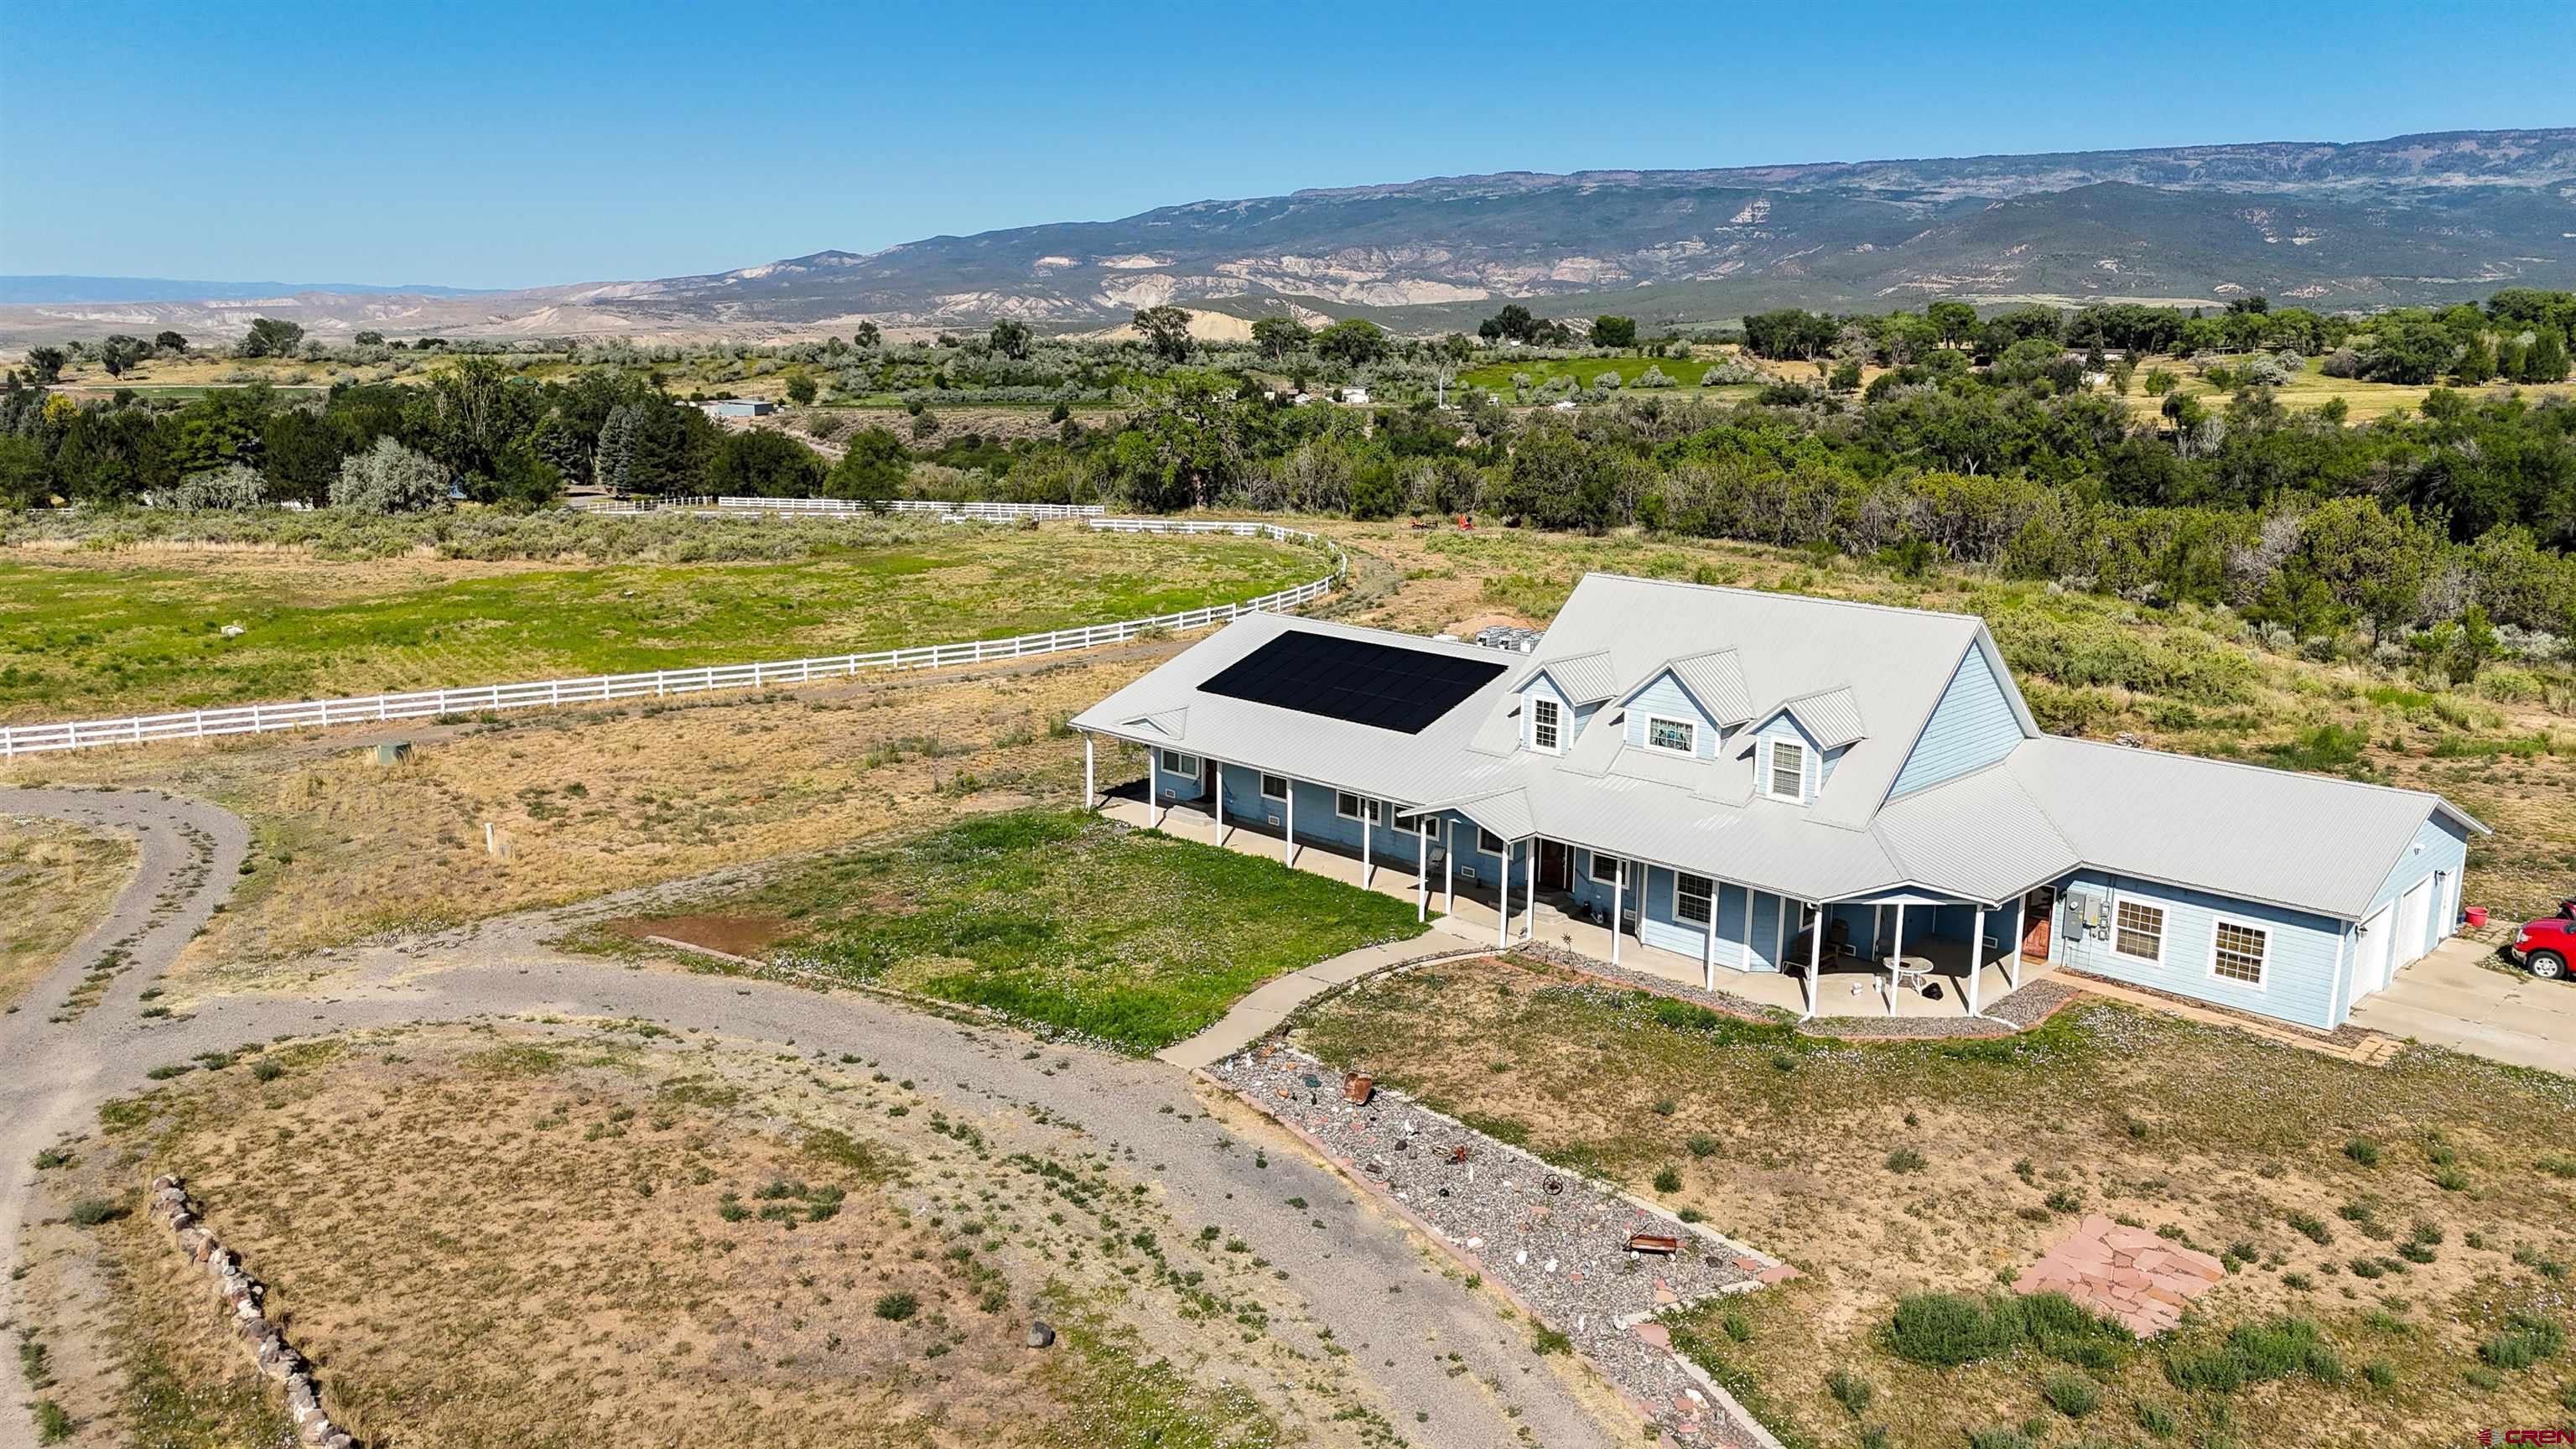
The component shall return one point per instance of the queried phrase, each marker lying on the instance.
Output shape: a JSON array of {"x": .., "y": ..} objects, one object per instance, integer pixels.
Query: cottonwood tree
[
  {"x": 269, "y": 337},
  {"x": 1165, "y": 329},
  {"x": 1012, "y": 338},
  {"x": 1616, "y": 332},
  {"x": 866, "y": 337},
  {"x": 872, "y": 470},
  {"x": 1279, "y": 337},
  {"x": 119, "y": 353},
  {"x": 1353, "y": 341},
  {"x": 170, "y": 342},
  {"x": 389, "y": 478},
  {"x": 45, "y": 365}
]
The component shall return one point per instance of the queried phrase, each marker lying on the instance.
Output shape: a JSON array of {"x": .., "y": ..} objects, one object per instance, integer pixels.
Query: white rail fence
[
  {"x": 663, "y": 683},
  {"x": 845, "y": 508}
]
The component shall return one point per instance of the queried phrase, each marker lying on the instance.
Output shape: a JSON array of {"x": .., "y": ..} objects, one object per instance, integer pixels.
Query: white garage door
[
  {"x": 2414, "y": 913},
  {"x": 2370, "y": 969}
]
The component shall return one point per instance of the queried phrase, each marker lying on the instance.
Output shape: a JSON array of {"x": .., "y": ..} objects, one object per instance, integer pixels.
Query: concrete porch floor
[{"x": 1844, "y": 985}]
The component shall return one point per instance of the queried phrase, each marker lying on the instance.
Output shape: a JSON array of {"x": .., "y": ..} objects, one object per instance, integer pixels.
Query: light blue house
[{"x": 1769, "y": 783}]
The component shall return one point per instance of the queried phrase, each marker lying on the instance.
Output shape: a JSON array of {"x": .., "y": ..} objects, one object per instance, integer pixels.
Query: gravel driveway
[{"x": 1360, "y": 1271}]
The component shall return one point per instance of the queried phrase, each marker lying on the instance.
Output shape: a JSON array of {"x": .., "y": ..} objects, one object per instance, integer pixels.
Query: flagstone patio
[{"x": 2140, "y": 1279}]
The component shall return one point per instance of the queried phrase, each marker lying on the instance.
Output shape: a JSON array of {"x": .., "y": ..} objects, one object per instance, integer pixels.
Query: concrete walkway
[
  {"x": 2455, "y": 998},
  {"x": 1259, "y": 1014}
]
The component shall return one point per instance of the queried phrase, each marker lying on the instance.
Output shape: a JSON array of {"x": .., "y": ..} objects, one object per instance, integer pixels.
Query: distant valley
[{"x": 2412, "y": 219}]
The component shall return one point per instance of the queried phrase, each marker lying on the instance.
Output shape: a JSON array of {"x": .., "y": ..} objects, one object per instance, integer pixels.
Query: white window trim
[
  {"x": 1264, "y": 787},
  {"x": 1592, "y": 868},
  {"x": 2263, "y": 970},
  {"x": 1557, "y": 724},
  {"x": 2164, "y": 928},
  {"x": 1495, "y": 849},
  {"x": 1771, "y": 770},
  {"x": 1176, "y": 763},
  {"x": 1375, "y": 810},
  {"x": 1404, "y": 823},
  {"x": 1689, "y": 729},
  {"x": 1679, "y": 895}
]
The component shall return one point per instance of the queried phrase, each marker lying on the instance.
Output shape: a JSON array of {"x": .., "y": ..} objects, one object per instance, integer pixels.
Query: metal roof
[
  {"x": 1714, "y": 677},
  {"x": 1584, "y": 678},
  {"x": 1831, "y": 717},
  {"x": 2303, "y": 841}
]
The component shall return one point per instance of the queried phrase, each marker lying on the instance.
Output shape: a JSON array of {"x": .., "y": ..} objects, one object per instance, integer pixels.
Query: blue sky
[{"x": 521, "y": 144}]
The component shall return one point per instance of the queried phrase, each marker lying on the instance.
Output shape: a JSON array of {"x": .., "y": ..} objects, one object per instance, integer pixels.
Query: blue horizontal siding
[
  {"x": 2299, "y": 979},
  {"x": 1666, "y": 697},
  {"x": 1973, "y": 726},
  {"x": 1786, "y": 727}
]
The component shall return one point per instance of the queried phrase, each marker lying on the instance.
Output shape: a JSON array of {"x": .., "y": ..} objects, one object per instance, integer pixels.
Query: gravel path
[
  {"x": 1558, "y": 1244},
  {"x": 1348, "y": 1269},
  {"x": 52, "y": 1073}
]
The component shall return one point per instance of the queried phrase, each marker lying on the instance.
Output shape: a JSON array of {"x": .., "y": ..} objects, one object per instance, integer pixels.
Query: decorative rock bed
[
  {"x": 247, "y": 1297},
  {"x": 1556, "y": 1244}
]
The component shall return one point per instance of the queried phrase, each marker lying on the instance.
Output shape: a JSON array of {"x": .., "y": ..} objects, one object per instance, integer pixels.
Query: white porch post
[
  {"x": 1288, "y": 836},
  {"x": 1153, "y": 789},
  {"x": 1708, "y": 936},
  {"x": 1216, "y": 803},
  {"x": 1090, "y": 794},
  {"x": 1976, "y": 958},
  {"x": 1530, "y": 892},
  {"x": 1877, "y": 931},
  {"x": 1815, "y": 954},
  {"x": 1503, "y": 902},
  {"x": 1422, "y": 869},
  {"x": 1898, "y": 956},
  {"x": 1618, "y": 903},
  {"x": 1368, "y": 828},
  {"x": 1744, "y": 955},
  {"x": 1449, "y": 867},
  {"x": 2021, "y": 932}
]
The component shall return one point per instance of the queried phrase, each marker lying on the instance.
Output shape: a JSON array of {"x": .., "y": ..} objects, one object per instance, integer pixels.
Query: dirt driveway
[{"x": 2456, "y": 998}]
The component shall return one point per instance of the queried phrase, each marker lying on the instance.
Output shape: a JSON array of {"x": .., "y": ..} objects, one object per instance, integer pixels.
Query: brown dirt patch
[
  {"x": 659, "y": 1241},
  {"x": 743, "y": 935},
  {"x": 58, "y": 881}
]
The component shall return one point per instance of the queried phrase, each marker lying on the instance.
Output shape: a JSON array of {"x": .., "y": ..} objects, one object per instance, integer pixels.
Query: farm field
[
  {"x": 1055, "y": 918},
  {"x": 59, "y": 880},
  {"x": 1497, "y": 377},
  {"x": 2404, "y": 1229},
  {"x": 94, "y": 633},
  {"x": 831, "y": 1260},
  {"x": 2367, "y": 401}
]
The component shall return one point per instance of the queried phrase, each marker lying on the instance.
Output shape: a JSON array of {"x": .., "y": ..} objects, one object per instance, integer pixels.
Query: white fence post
[{"x": 23, "y": 739}]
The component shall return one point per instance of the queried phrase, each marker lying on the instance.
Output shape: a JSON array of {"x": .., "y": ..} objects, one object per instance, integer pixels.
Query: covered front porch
[{"x": 1957, "y": 958}]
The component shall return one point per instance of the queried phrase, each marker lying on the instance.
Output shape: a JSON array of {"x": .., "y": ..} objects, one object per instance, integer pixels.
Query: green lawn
[
  {"x": 1132, "y": 937},
  {"x": 1498, "y": 377},
  {"x": 97, "y": 634}
]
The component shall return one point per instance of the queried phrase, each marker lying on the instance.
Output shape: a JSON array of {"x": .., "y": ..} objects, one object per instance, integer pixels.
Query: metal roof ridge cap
[{"x": 1780, "y": 594}]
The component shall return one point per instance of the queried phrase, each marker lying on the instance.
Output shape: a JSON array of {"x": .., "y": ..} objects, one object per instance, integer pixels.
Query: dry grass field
[
  {"x": 56, "y": 881},
  {"x": 592, "y": 800},
  {"x": 2406, "y": 1212},
  {"x": 661, "y": 1241}
]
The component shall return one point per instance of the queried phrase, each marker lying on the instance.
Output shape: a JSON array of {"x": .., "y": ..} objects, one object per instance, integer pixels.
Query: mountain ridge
[{"x": 2430, "y": 217}]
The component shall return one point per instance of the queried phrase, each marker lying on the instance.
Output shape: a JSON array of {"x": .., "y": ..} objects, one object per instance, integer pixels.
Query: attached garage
[{"x": 2370, "y": 965}]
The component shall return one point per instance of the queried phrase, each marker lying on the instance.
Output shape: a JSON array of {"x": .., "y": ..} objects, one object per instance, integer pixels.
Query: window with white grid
[
  {"x": 1543, "y": 724},
  {"x": 2237, "y": 952},
  {"x": 2138, "y": 930},
  {"x": 1788, "y": 770},
  {"x": 1691, "y": 898}
]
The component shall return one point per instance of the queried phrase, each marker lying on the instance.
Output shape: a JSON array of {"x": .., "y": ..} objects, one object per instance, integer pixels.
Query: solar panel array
[{"x": 1382, "y": 685}]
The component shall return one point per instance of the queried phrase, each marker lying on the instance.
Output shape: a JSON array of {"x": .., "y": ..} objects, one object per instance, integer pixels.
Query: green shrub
[
  {"x": 2380, "y": 1373},
  {"x": 2071, "y": 1394},
  {"x": 1737, "y": 1326},
  {"x": 1942, "y": 1329},
  {"x": 2311, "y": 1227},
  {"x": 2156, "y": 1419},
  {"x": 2000, "y": 1436},
  {"x": 53, "y": 1425},
  {"x": 1851, "y": 1391},
  {"x": 53, "y": 1157},
  {"x": 89, "y": 1212},
  {"x": 2363, "y": 1151},
  {"x": 2526, "y": 1340},
  {"x": 1668, "y": 1180},
  {"x": 1550, "y": 1341},
  {"x": 1906, "y": 1159},
  {"x": 1703, "y": 1145},
  {"x": 2254, "y": 1353},
  {"x": 896, "y": 1307},
  {"x": 267, "y": 1069}
]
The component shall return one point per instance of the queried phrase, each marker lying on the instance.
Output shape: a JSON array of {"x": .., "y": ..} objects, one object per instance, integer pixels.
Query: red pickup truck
[{"x": 2545, "y": 947}]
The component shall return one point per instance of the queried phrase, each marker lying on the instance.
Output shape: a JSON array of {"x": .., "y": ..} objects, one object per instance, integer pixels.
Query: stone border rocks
[
  {"x": 1550, "y": 1241},
  {"x": 247, "y": 1297}
]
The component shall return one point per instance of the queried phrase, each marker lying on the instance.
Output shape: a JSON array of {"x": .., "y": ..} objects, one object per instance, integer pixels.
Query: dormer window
[
  {"x": 1679, "y": 736},
  {"x": 1788, "y": 770},
  {"x": 1545, "y": 721}
]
